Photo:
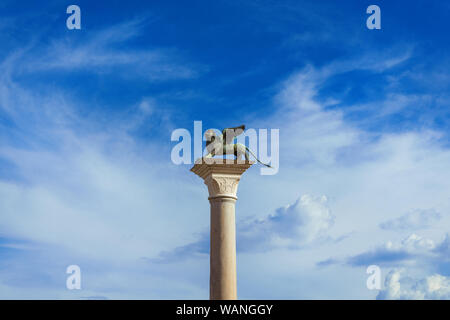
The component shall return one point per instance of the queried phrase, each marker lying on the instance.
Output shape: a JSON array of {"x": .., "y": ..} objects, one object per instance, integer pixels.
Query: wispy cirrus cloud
[
  {"x": 72, "y": 194},
  {"x": 89, "y": 192},
  {"x": 106, "y": 51}
]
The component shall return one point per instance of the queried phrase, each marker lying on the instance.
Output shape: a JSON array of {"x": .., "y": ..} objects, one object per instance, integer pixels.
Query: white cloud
[
  {"x": 293, "y": 226},
  {"x": 369, "y": 175},
  {"x": 413, "y": 250},
  {"x": 82, "y": 183},
  {"x": 309, "y": 133},
  {"x": 97, "y": 199},
  {"x": 100, "y": 195},
  {"x": 417, "y": 219},
  {"x": 304, "y": 223},
  {"x": 104, "y": 52},
  {"x": 416, "y": 243},
  {"x": 147, "y": 106},
  {"x": 399, "y": 286},
  {"x": 84, "y": 189}
]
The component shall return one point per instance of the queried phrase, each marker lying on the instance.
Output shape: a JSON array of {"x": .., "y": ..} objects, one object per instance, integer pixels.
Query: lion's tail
[{"x": 264, "y": 164}]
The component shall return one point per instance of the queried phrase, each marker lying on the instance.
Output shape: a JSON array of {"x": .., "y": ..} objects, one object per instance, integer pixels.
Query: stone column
[{"x": 222, "y": 180}]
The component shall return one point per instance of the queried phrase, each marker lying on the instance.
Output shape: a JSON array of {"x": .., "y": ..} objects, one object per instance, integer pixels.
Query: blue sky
[{"x": 86, "y": 118}]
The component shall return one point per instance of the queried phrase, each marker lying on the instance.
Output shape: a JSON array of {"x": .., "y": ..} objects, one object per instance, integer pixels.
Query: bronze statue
[{"x": 224, "y": 144}]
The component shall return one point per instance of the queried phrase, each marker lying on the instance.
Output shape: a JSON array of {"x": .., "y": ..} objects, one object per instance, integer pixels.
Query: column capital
[{"x": 222, "y": 177}]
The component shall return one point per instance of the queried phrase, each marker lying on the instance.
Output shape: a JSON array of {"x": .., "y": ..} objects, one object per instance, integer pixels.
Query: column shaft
[
  {"x": 223, "y": 249},
  {"x": 222, "y": 180}
]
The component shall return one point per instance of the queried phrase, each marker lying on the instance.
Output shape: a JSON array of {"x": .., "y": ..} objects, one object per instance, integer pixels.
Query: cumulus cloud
[
  {"x": 412, "y": 250},
  {"x": 409, "y": 249},
  {"x": 393, "y": 165},
  {"x": 399, "y": 286},
  {"x": 294, "y": 226},
  {"x": 444, "y": 247},
  {"x": 417, "y": 219}
]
